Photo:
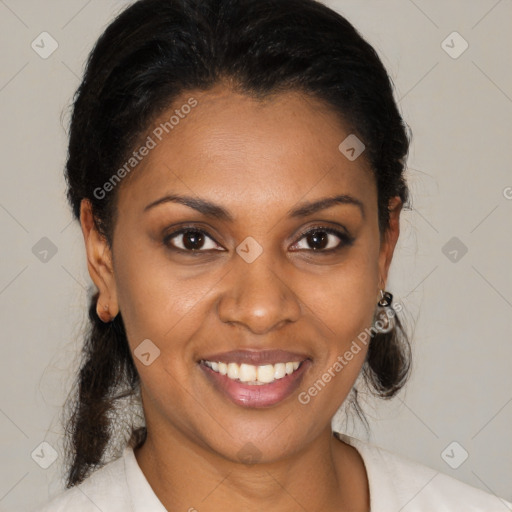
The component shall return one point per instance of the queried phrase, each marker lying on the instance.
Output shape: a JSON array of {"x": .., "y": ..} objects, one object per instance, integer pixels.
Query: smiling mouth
[
  {"x": 251, "y": 374},
  {"x": 255, "y": 378}
]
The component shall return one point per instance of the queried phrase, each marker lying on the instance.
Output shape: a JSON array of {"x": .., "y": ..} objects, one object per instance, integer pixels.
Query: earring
[
  {"x": 385, "y": 301},
  {"x": 386, "y": 314}
]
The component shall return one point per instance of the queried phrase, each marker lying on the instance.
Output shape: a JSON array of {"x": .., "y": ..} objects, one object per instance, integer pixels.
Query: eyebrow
[{"x": 210, "y": 209}]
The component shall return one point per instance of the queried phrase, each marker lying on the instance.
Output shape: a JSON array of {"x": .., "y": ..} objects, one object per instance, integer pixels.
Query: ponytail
[
  {"x": 107, "y": 375},
  {"x": 388, "y": 361}
]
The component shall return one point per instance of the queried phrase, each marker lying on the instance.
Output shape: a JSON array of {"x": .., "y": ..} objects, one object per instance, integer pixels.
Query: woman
[{"x": 237, "y": 170}]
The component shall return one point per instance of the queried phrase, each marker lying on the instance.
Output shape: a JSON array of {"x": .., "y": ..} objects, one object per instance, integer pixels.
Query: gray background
[{"x": 460, "y": 305}]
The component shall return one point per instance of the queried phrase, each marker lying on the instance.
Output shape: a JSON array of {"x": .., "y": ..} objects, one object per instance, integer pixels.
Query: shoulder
[
  {"x": 105, "y": 490},
  {"x": 397, "y": 482}
]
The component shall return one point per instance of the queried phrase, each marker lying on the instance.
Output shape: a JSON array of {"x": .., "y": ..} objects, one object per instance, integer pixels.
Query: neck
[{"x": 326, "y": 475}]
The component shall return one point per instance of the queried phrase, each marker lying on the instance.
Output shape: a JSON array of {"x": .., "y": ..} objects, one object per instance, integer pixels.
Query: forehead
[{"x": 247, "y": 151}]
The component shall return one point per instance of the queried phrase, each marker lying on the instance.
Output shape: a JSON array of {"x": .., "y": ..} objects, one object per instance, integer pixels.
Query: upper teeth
[{"x": 251, "y": 374}]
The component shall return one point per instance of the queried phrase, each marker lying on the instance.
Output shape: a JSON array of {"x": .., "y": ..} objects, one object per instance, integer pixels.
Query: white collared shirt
[{"x": 396, "y": 484}]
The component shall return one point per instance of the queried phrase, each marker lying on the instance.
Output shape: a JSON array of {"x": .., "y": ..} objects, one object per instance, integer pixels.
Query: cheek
[
  {"x": 147, "y": 297},
  {"x": 346, "y": 299},
  {"x": 345, "y": 309},
  {"x": 154, "y": 304}
]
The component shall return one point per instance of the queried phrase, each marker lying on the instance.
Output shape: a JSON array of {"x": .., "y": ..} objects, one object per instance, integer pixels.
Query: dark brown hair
[{"x": 151, "y": 53}]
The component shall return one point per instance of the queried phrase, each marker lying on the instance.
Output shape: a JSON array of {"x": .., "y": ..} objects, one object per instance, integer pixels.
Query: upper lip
[{"x": 255, "y": 357}]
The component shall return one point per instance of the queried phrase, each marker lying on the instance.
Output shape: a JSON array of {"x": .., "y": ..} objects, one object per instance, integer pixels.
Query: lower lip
[{"x": 263, "y": 395}]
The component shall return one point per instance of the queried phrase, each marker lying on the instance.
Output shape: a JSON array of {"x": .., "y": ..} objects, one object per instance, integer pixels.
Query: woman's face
[{"x": 266, "y": 271}]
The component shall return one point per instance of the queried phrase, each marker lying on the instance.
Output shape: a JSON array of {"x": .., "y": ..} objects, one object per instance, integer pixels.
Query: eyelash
[{"x": 345, "y": 239}]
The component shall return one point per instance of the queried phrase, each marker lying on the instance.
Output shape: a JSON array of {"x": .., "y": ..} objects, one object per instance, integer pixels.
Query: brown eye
[
  {"x": 190, "y": 240},
  {"x": 318, "y": 240},
  {"x": 324, "y": 240}
]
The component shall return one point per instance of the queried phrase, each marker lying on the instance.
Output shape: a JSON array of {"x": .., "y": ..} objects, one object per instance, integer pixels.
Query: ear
[
  {"x": 99, "y": 264},
  {"x": 389, "y": 240}
]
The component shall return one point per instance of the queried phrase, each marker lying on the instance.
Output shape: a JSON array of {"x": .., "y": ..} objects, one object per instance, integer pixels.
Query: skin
[{"x": 258, "y": 160}]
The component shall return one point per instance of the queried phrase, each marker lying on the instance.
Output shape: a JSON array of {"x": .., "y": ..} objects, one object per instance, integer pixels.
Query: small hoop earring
[
  {"x": 385, "y": 301},
  {"x": 386, "y": 314}
]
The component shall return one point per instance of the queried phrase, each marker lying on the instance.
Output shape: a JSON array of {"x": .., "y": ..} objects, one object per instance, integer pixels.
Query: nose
[{"x": 257, "y": 298}]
